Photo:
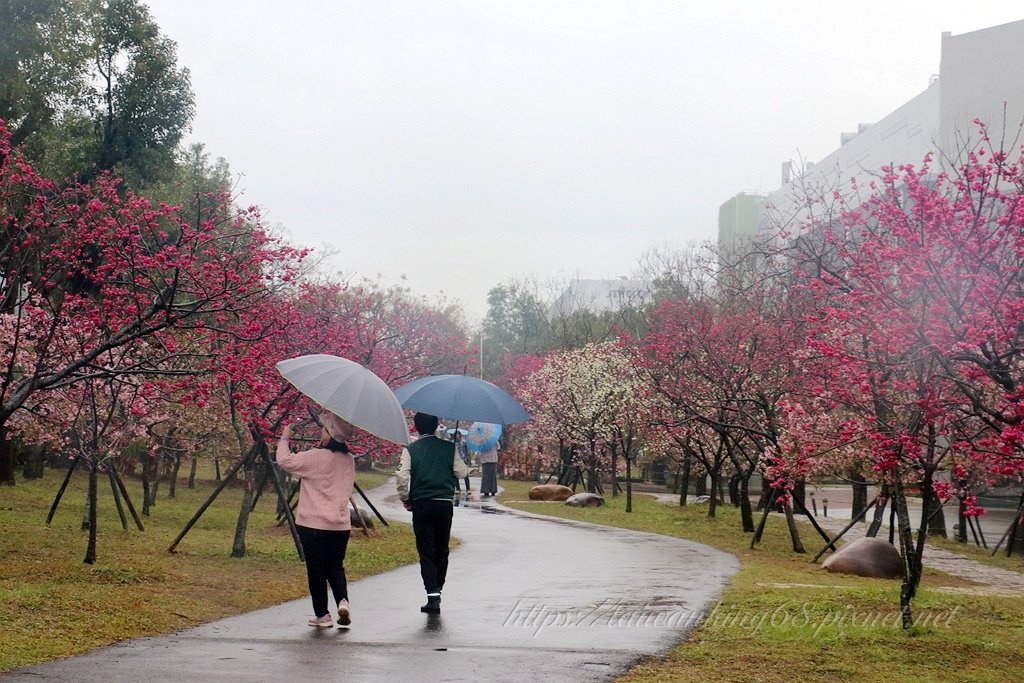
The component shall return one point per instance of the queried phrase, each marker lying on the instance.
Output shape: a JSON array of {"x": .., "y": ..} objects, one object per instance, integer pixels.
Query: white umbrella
[{"x": 351, "y": 392}]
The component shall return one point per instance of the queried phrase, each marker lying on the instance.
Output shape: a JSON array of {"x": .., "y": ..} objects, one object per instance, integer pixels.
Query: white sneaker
[{"x": 322, "y": 622}]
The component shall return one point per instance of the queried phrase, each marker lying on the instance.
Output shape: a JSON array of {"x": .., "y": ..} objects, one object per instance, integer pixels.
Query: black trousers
[
  {"x": 432, "y": 524},
  {"x": 325, "y": 565}
]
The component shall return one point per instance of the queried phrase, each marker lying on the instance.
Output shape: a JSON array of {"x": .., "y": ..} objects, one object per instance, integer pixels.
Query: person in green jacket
[{"x": 426, "y": 485}]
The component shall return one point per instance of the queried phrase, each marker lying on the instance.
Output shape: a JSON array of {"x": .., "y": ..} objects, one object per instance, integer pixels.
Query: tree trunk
[
  {"x": 34, "y": 461},
  {"x": 145, "y": 485},
  {"x": 629, "y": 486},
  {"x": 172, "y": 483},
  {"x": 684, "y": 486},
  {"x": 794, "y": 533},
  {"x": 879, "y": 515},
  {"x": 759, "y": 531},
  {"x": 911, "y": 560},
  {"x": 860, "y": 494},
  {"x": 216, "y": 469},
  {"x": 158, "y": 462},
  {"x": 800, "y": 493},
  {"x": 6, "y": 459},
  {"x": 765, "y": 500},
  {"x": 746, "y": 513},
  {"x": 90, "y": 550},
  {"x": 713, "y": 499},
  {"x": 238, "y": 547},
  {"x": 936, "y": 517},
  {"x": 615, "y": 471},
  {"x": 192, "y": 471},
  {"x": 1016, "y": 535},
  {"x": 734, "y": 490},
  {"x": 592, "y": 469},
  {"x": 87, "y": 508}
]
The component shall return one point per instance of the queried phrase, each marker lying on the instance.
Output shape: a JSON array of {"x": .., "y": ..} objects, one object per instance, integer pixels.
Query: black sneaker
[{"x": 433, "y": 605}]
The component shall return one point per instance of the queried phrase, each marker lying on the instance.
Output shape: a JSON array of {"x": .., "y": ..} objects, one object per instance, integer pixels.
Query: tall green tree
[
  {"x": 90, "y": 86},
  {"x": 42, "y": 65},
  {"x": 516, "y": 322}
]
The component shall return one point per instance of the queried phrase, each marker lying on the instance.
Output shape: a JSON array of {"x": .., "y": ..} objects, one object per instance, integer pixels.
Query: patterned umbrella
[{"x": 482, "y": 436}]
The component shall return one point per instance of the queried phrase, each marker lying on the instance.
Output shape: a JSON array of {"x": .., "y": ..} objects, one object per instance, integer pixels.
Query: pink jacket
[{"x": 327, "y": 478}]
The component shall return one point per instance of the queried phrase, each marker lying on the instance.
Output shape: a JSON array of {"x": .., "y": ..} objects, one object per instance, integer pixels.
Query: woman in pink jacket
[{"x": 322, "y": 515}]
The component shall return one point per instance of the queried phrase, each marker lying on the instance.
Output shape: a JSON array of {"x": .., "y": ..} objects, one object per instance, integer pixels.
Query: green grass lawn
[
  {"x": 784, "y": 619},
  {"x": 780, "y": 619},
  {"x": 52, "y": 605}
]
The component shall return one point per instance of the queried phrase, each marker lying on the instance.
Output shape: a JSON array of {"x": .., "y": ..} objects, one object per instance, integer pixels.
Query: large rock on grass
[
  {"x": 585, "y": 500},
  {"x": 872, "y": 557},
  {"x": 354, "y": 518},
  {"x": 550, "y": 492}
]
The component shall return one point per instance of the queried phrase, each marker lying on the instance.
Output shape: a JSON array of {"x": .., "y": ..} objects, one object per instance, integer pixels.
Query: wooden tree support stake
[
  {"x": 63, "y": 487},
  {"x": 127, "y": 499}
]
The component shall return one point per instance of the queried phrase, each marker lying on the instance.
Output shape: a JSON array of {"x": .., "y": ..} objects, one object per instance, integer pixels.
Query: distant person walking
[
  {"x": 463, "y": 453},
  {"x": 489, "y": 471},
  {"x": 322, "y": 517},
  {"x": 426, "y": 485}
]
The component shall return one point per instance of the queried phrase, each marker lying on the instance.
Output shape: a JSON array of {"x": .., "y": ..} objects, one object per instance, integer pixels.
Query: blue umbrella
[
  {"x": 461, "y": 397},
  {"x": 483, "y": 436}
]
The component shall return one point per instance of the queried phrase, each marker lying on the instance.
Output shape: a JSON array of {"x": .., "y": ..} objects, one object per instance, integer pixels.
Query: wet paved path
[{"x": 527, "y": 599}]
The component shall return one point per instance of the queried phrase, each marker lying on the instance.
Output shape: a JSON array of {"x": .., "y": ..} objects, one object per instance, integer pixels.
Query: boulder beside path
[
  {"x": 872, "y": 557},
  {"x": 585, "y": 500},
  {"x": 550, "y": 492}
]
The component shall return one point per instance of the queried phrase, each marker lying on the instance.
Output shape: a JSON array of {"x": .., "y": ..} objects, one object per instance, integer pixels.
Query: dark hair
[
  {"x": 425, "y": 424},
  {"x": 336, "y": 446}
]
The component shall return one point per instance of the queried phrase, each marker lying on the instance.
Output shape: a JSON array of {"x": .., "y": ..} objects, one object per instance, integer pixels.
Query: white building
[{"x": 981, "y": 73}]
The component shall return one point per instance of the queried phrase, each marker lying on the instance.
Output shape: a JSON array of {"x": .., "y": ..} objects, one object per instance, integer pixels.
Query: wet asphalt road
[{"x": 527, "y": 599}]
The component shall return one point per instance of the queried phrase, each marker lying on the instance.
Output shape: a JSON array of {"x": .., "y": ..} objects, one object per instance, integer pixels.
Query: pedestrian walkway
[{"x": 528, "y": 598}]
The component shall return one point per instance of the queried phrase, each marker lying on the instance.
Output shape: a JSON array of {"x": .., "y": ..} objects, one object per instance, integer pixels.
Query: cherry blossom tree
[
  {"x": 401, "y": 337},
  {"x": 586, "y": 400},
  {"x": 919, "y": 315},
  {"x": 95, "y": 418},
  {"x": 725, "y": 363},
  {"x": 394, "y": 336},
  {"x": 87, "y": 269}
]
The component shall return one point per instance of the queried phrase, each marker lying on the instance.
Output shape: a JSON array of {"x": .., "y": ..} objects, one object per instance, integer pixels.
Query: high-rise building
[
  {"x": 981, "y": 76},
  {"x": 737, "y": 221}
]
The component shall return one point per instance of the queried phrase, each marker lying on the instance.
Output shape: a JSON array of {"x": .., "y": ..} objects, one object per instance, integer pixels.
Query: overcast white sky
[{"x": 461, "y": 144}]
